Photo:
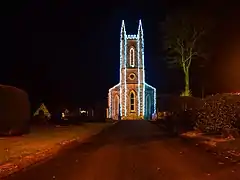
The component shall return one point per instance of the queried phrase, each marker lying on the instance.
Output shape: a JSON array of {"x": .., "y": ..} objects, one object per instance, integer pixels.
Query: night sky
[{"x": 68, "y": 51}]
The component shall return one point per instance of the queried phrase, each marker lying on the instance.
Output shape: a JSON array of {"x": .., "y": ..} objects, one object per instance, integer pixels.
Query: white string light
[
  {"x": 139, "y": 88},
  {"x": 154, "y": 97},
  {"x": 110, "y": 99},
  {"x": 141, "y": 73}
]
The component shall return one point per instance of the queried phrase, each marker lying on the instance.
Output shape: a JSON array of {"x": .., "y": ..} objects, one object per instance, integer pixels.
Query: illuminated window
[
  {"x": 132, "y": 57},
  {"x": 132, "y": 101}
]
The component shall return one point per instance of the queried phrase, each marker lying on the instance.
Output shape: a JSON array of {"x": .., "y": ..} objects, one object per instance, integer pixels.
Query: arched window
[
  {"x": 132, "y": 57},
  {"x": 132, "y": 101},
  {"x": 116, "y": 105}
]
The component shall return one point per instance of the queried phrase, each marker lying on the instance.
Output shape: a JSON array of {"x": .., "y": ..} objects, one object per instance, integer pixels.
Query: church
[{"x": 132, "y": 98}]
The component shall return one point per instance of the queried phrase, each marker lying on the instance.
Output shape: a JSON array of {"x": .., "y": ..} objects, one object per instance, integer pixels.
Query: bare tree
[{"x": 182, "y": 36}]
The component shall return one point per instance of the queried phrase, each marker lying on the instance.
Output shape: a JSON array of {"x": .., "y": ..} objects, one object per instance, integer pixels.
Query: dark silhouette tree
[{"x": 183, "y": 34}]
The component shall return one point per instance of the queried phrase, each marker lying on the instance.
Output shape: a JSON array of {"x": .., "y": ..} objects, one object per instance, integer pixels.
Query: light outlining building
[{"x": 132, "y": 98}]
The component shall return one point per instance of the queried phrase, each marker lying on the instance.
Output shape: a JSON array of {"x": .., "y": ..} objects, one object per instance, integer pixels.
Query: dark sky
[{"x": 68, "y": 51}]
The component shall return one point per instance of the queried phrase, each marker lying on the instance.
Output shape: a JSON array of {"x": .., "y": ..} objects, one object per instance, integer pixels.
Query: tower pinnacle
[
  {"x": 140, "y": 26},
  {"x": 123, "y": 27},
  {"x": 140, "y": 29}
]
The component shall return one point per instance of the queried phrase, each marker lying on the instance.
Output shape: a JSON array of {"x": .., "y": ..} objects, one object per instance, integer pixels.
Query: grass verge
[{"x": 17, "y": 153}]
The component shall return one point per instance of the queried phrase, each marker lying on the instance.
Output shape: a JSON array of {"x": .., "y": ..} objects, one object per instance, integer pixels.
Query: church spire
[
  {"x": 123, "y": 31},
  {"x": 140, "y": 29}
]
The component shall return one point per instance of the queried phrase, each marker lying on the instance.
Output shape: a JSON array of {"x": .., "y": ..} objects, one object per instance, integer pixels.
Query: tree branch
[
  {"x": 190, "y": 56},
  {"x": 196, "y": 36}
]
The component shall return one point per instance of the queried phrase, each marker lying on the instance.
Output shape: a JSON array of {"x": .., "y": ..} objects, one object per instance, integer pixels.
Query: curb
[
  {"x": 224, "y": 154},
  {"x": 221, "y": 153},
  {"x": 23, "y": 162}
]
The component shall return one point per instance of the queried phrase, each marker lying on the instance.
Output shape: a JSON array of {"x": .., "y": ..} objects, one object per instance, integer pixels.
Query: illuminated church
[{"x": 132, "y": 98}]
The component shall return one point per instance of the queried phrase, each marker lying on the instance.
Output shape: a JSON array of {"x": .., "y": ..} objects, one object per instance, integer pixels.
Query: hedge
[
  {"x": 215, "y": 114},
  {"x": 219, "y": 112},
  {"x": 183, "y": 112},
  {"x": 14, "y": 111}
]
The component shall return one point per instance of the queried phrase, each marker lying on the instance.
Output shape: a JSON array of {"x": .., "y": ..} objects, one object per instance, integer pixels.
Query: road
[{"x": 132, "y": 150}]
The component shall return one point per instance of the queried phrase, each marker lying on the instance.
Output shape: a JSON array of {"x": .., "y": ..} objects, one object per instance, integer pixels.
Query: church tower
[{"x": 132, "y": 98}]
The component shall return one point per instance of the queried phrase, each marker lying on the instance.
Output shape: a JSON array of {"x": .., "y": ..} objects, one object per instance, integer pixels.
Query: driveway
[{"x": 132, "y": 150}]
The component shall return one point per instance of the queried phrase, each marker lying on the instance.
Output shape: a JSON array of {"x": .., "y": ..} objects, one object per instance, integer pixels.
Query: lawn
[{"x": 42, "y": 142}]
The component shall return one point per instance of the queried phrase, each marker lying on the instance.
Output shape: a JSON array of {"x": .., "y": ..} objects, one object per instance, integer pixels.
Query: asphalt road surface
[{"x": 132, "y": 150}]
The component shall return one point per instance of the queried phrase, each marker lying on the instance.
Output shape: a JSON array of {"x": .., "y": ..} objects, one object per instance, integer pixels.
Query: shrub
[
  {"x": 14, "y": 111},
  {"x": 183, "y": 113},
  {"x": 218, "y": 113}
]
